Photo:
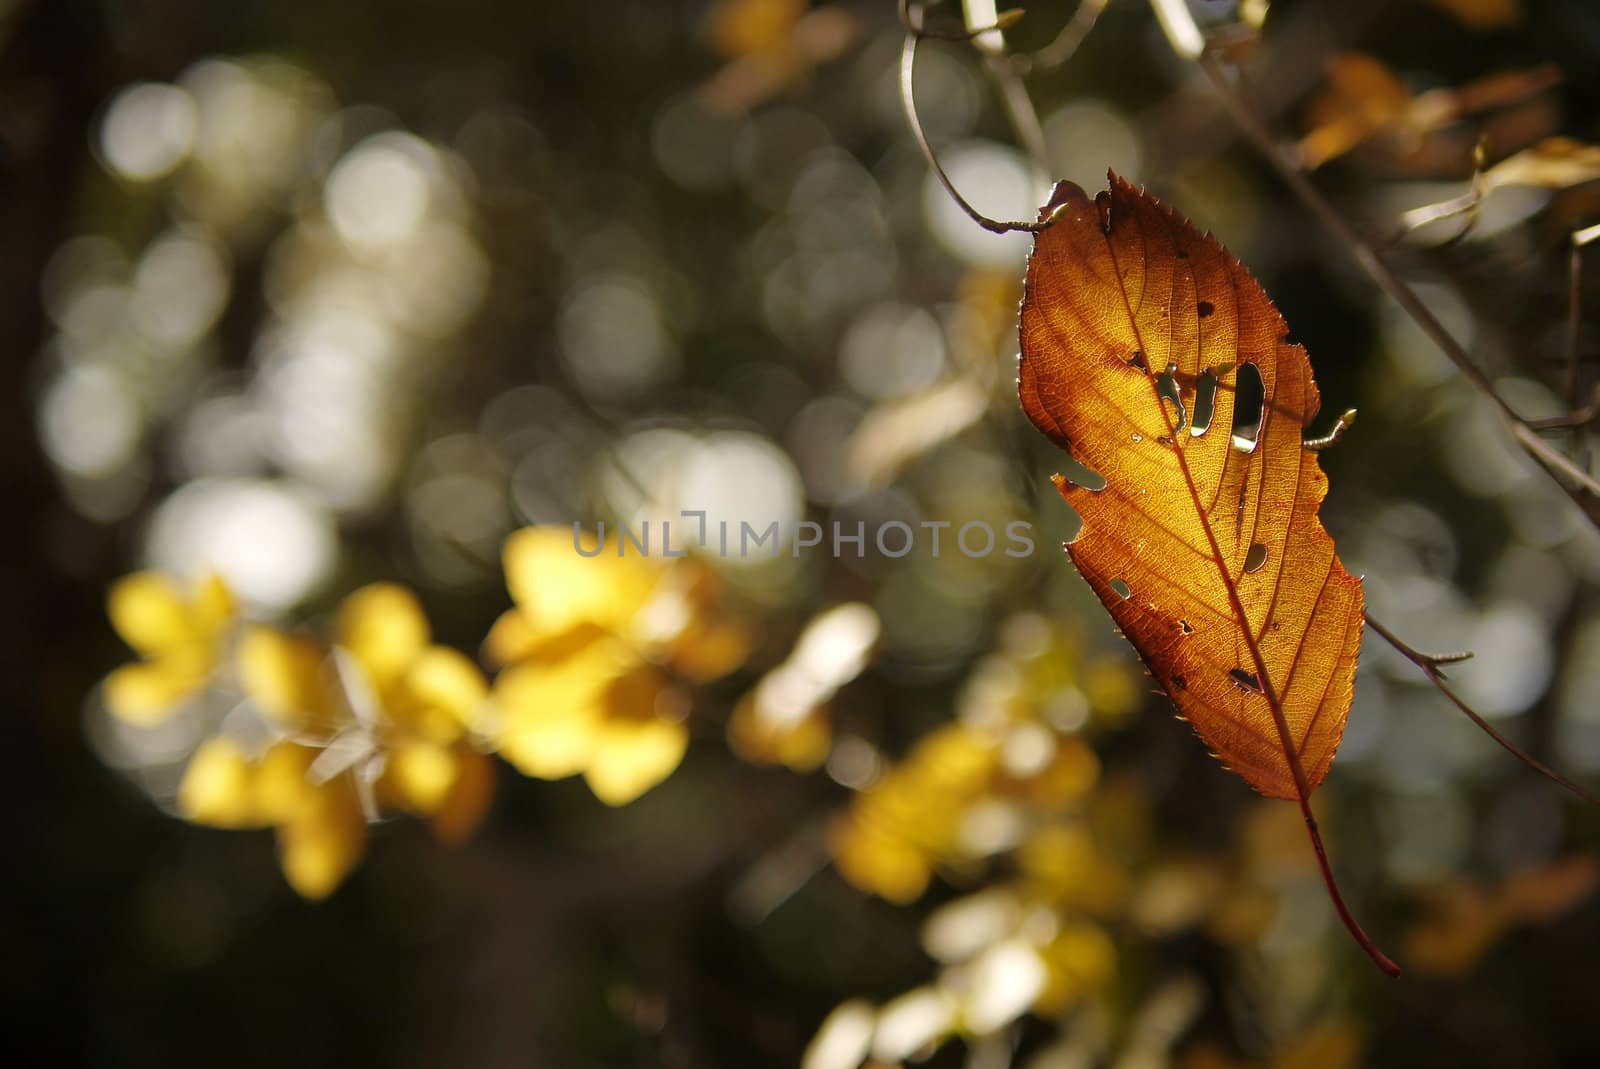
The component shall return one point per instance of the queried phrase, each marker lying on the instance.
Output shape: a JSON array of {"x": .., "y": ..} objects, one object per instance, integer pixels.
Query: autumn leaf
[
  {"x": 1364, "y": 102},
  {"x": 1142, "y": 343}
]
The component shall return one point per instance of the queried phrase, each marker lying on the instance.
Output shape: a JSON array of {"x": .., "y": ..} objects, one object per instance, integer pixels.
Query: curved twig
[{"x": 911, "y": 17}]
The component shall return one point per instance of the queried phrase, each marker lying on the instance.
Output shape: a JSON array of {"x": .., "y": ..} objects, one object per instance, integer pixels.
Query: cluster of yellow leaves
[
  {"x": 1013, "y": 784},
  {"x": 380, "y": 720},
  {"x": 969, "y": 789},
  {"x": 1012, "y": 776},
  {"x": 181, "y": 636},
  {"x": 601, "y": 652}
]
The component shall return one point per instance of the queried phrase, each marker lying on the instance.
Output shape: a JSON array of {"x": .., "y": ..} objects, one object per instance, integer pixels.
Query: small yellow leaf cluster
[
  {"x": 380, "y": 719},
  {"x": 1012, "y": 786},
  {"x": 979, "y": 786},
  {"x": 601, "y": 651}
]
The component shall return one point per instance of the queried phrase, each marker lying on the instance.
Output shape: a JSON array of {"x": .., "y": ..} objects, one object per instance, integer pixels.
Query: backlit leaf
[{"x": 1204, "y": 542}]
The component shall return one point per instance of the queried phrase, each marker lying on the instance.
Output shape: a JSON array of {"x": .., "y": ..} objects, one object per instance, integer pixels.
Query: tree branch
[{"x": 1431, "y": 665}]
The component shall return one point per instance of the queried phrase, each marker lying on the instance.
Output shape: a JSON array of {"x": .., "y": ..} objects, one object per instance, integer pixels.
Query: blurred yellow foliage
[
  {"x": 784, "y": 720},
  {"x": 181, "y": 636},
  {"x": 381, "y": 719},
  {"x": 598, "y": 650}
]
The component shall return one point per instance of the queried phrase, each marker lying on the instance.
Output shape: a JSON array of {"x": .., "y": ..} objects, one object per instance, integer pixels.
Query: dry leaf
[
  {"x": 1554, "y": 163},
  {"x": 1204, "y": 542},
  {"x": 1364, "y": 100}
]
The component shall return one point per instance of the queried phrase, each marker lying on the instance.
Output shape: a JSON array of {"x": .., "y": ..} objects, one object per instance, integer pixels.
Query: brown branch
[
  {"x": 1431, "y": 665},
  {"x": 1578, "y": 483}
]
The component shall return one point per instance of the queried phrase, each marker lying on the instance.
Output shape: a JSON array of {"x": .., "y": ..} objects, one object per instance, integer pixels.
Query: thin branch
[
  {"x": 1066, "y": 43},
  {"x": 1431, "y": 666},
  {"x": 1580, "y": 238},
  {"x": 1578, "y": 484},
  {"x": 1574, "y": 333},
  {"x": 1578, "y": 417},
  {"x": 1019, "y": 106},
  {"x": 912, "y": 18}
]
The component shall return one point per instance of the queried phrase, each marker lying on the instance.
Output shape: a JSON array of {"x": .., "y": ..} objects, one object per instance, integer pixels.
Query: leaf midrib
[{"x": 1241, "y": 618}]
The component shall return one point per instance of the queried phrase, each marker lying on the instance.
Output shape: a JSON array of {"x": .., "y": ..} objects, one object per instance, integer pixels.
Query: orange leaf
[{"x": 1204, "y": 542}]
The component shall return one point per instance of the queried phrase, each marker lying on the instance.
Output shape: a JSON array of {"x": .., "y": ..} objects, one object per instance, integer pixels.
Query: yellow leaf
[
  {"x": 214, "y": 606},
  {"x": 739, "y": 27},
  {"x": 447, "y": 692},
  {"x": 151, "y": 614},
  {"x": 145, "y": 694},
  {"x": 281, "y": 786},
  {"x": 511, "y": 639},
  {"x": 321, "y": 844},
  {"x": 878, "y": 863},
  {"x": 800, "y": 744},
  {"x": 383, "y": 626},
  {"x": 420, "y": 776},
  {"x": 558, "y": 589},
  {"x": 549, "y": 713},
  {"x": 1081, "y": 960},
  {"x": 632, "y": 755},
  {"x": 284, "y": 675},
  {"x": 1362, "y": 97},
  {"x": 217, "y": 788}
]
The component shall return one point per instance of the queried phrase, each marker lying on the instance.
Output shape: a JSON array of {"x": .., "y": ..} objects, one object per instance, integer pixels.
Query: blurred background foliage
[{"x": 314, "y": 305}]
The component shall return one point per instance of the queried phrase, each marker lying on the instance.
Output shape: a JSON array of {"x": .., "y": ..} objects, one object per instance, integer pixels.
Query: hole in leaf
[
  {"x": 1186, "y": 626},
  {"x": 1205, "y": 308},
  {"x": 1137, "y": 360},
  {"x": 1254, "y": 559},
  {"x": 1205, "y": 402},
  {"x": 1121, "y": 587},
  {"x": 1167, "y": 387},
  {"x": 1249, "y": 395},
  {"x": 1246, "y": 680},
  {"x": 1179, "y": 682},
  {"x": 1079, "y": 474}
]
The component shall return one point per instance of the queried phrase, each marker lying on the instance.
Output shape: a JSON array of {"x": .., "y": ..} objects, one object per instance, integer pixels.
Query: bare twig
[
  {"x": 1431, "y": 665},
  {"x": 1578, "y": 417},
  {"x": 1580, "y": 238},
  {"x": 1066, "y": 43}
]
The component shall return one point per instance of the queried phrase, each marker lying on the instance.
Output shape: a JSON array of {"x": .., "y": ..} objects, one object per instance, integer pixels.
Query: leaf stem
[
  {"x": 1379, "y": 958},
  {"x": 912, "y": 18}
]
